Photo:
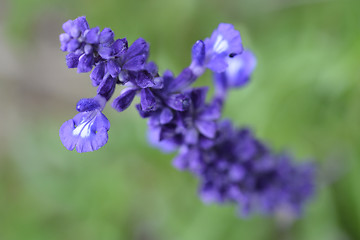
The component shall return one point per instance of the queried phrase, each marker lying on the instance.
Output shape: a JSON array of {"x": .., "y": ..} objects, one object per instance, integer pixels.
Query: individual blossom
[
  {"x": 87, "y": 131},
  {"x": 237, "y": 74},
  {"x": 225, "y": 41}
]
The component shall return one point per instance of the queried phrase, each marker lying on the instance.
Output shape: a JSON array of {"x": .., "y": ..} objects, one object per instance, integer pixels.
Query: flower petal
[
  {"x": 240, "y": 68},
  {"x": 217, "y": 64}
]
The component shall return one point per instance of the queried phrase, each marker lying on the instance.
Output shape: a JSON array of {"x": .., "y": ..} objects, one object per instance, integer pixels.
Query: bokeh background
[{"x": 304, "y": 97}]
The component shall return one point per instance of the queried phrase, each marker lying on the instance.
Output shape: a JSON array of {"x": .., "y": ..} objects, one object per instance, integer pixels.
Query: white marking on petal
[
  {"x": 220, "y": 44},
  {"x": 84, "y": 128}
]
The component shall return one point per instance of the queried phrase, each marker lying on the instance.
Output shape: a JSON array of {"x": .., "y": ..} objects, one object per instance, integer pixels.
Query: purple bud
[
  {"x": 198, "y": 53},
  {"x": 106, "y": 36},
  {"x": 123, "y": 101},
  {"x": 119, "y": 46},
  {"x": 92, "y": 36},
  {"x": 87, "y": 104},
  {"x": 72, "y": 60},
  {"x": 148, "y": 101},
  {"x": 113, "y": 68},
  {"x": 97, "y": 74},
  {"x": 144, "y": 80},
  {"x": 107, "y": 87},
  {"x": 139, "y": 47},
  {"x": 86, "y": 63}
]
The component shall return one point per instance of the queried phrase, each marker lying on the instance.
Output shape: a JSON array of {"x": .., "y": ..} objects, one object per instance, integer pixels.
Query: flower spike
[{"x": 232, "y": 165}]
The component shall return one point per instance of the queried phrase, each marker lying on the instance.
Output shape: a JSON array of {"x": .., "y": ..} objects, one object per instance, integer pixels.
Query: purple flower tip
[{"x": 87, "y": 104}]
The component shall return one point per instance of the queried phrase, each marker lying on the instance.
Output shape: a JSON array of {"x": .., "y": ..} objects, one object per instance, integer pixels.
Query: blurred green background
[{"x": 304, "y": 97}]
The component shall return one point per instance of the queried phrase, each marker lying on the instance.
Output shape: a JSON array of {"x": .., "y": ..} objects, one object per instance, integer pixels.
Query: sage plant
[{"x": 232, "y": 165}]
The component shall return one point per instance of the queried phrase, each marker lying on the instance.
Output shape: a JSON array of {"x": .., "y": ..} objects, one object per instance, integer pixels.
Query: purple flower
[
  {"x": 237, "y": 74},
  {"x": 87, "y": 131},
  {"x": 224, "y": 41}
]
